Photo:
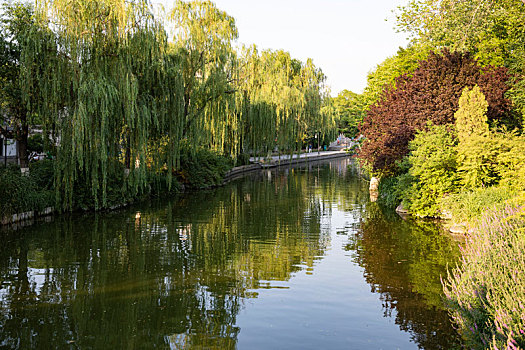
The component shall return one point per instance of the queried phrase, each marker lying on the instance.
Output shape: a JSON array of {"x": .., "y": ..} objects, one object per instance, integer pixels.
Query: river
[{"x": 296, "y": 258}]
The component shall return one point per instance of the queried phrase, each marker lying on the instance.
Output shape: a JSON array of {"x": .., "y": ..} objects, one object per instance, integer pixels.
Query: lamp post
[
  {"x": 5, "y": 151},
  {"x": 317, "y": 136}
]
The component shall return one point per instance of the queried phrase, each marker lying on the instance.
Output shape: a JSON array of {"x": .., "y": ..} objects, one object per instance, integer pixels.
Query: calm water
[{"x": 293, "y": 259}]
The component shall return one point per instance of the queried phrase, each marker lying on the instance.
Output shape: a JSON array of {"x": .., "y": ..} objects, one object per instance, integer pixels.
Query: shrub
[
  {"x": 117, "y": 191},
  {"x": 477, "y": 149},
  {"x": 510, "y": 162},
  {"x": 389, "y": 195},
  {"x": 497, "y": 158},
  {"x": 20, "y": 193},
  {"x": 433, "y": 167},
  {"x": 471, "y": 117},
  {"x": 486, "y": 294},
  {"x": 477, "y": 160},
  {"x": 469, "y": 206},
  {"x": 203, "y": 168},
  {"x": 393, "y": 190},
  {"x": 42, "y": 173}
]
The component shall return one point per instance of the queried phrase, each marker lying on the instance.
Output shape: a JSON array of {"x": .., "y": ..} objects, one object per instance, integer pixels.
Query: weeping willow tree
[
  {"x": 118, "y": 91},
  {"x": 284, "y": 100},
  {"x": 111, "y": 88},
  {"x": 203, "y": 37}
]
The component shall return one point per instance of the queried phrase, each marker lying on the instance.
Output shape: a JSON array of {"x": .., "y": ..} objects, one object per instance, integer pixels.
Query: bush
[
  {"x": 42, "y": 173},
  {"x": 389, "y": 195},
  {"x": 510, "y": 162},
  {"x": 36, "y": 191},
  {"x": 118, "y": 192},
  {"x": 486, "y": 295},
  {"x": 396, "y": 189},
  {"x": 497, "y": 158},
  {"x": 203, "y": 168},
  {"x": 200, "y": 169},
  {"x": 433, "y": 168},
  {"x": 477, "y": 159},
  {"x": 469, "y": 206},
  {"x": 20, "y": 193}
]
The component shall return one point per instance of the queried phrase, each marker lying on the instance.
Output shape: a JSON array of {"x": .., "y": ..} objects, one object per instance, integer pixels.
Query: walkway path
[
  {"x": 298, "y": 158},
  {"x": 283, "y": 160}
]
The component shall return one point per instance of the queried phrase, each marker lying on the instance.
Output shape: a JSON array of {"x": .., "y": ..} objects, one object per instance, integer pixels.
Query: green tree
[
  {"x": 430, "y": 93},
  {"x": 203, "y": 37},
  {"x": 16, "y": 23},
  {"x": 471, "y": 117},
  {"x": 284, "y": 100},
  {"x": 492, "y": 30},
  {"x": 112, "y": 90},
  {"x": 349, "y": 108},
  {"x": 383, "y": 77},
  {"x": 477, "y": 150}
]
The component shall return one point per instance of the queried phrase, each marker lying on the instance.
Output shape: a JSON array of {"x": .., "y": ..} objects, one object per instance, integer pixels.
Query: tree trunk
[
  {"x": 21, "y": 140},
  {"x": 127, "y": 153}
]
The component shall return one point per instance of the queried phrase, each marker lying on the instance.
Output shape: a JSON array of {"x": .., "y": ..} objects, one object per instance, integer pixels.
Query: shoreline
[{"x": 31, "y": 217}]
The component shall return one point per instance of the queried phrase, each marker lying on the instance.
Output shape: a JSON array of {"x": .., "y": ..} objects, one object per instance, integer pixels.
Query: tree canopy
[
  {"x": 430, "y": 93},
  {"x": 383, "y": 77},
  {"x": 203, "y": 36},
  {"x": 283, "y": 99},
  {"x": 16, "y": 24},
  {"x": 120, "y": 91},
  {"x": 112, "y": 89},
  {"x": 492, "y": 31},
  {"x": 349, "y": 109}
]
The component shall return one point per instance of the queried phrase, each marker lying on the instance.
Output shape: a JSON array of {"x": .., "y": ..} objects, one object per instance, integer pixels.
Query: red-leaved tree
[{"x": 430, "y": 93}]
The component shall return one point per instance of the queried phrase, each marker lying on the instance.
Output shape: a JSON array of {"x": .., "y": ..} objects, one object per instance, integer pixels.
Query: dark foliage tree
[
  {"x": 15, "y": 24},
  {"x": 430, "y": 93}
]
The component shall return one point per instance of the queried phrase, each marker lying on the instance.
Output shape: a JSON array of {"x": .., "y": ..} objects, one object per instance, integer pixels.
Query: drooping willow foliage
[
  {"x": 119, "y": 88},
  {"x": 203, "y": 37},
  {"x": 113, "y": 87},
  {"x": 283, "y": 100}
]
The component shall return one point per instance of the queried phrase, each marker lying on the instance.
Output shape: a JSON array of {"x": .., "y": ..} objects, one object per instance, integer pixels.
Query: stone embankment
[
  {"x": 28, "y": 215},
  {"x": 445, "y": 218}
]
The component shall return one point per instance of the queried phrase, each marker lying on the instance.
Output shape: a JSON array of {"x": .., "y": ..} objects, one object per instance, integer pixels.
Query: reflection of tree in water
[
  {"x": 95, "y": 285},
  {"x": 174, "y": 276},
  {"x": 403, "y": 262}
]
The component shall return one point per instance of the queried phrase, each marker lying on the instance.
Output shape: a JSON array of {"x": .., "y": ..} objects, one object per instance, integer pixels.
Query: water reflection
[
  {"x": 404, "y": 261},
  {"x": 177, "y": 274}
]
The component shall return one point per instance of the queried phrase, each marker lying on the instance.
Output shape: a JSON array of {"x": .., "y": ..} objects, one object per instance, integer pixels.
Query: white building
[{"x": 7, "y": 149}]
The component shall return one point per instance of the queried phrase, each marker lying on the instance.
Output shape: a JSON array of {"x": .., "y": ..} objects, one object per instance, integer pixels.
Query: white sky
[{"x": 345, "y": 38}]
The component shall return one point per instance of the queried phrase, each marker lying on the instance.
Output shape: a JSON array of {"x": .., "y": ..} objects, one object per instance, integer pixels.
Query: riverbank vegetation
[
  {"x": 131, "y": 102},
  {"x": 443, "y": 123}
]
